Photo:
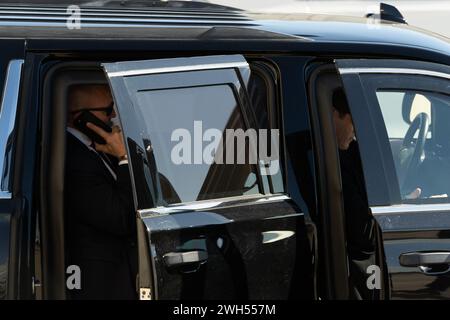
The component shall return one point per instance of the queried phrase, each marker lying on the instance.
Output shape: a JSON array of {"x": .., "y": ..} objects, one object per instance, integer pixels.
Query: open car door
[{"x": 207, "y": 229}]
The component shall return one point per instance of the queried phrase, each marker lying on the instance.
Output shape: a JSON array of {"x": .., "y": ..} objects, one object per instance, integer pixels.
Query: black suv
[{"x": 212, "y": 231}]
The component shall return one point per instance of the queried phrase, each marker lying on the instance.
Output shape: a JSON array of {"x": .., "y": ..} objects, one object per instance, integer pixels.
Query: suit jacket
[
  {"x": 100, "y": 225},
  {"x": 364, "y": 237}
]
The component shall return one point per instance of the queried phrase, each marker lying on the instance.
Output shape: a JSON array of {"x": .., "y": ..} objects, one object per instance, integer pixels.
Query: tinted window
[{"x": 179, "y": 123}]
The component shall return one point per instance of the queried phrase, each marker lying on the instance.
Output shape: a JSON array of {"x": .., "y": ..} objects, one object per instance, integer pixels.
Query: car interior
[
  {"x": 56, "y": 82},
  {"x": 422, "y": 155},
  {"x": 416, "y": 124},
  {"x": 52, "y": 228}
]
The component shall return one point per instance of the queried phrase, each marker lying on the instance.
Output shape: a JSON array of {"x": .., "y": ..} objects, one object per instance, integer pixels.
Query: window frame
[
  {"x": 240, "y": 92},
  {"x": 270, "y": 75}
]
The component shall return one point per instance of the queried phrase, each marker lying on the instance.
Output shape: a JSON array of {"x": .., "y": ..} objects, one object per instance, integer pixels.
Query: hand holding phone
[
  {"x": 114, "y": 145},
  {"x": 87, "y": 116}
]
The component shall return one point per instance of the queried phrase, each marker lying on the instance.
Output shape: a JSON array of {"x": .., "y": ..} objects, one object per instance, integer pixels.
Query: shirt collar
[
  {"x": 80, "y": 136},
  {"x": 87, "y": 142}
]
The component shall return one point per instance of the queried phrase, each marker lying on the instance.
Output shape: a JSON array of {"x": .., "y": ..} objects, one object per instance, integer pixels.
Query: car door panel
[
  {"x": 403, "y": 236},
  {"x": 244, "y": 256},
  {"x": 211, "y": 247}
]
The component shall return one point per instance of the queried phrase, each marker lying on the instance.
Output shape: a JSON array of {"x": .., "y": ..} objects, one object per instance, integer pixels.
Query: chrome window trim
[
  {"x": 8, "y": 114},
  {"x": 396, "y": 71},
  {"x": 410, "y": 208},
  {"x": 196, "y": 67}
]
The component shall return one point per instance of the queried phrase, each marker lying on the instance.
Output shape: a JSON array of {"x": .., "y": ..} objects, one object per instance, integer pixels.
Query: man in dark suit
[
  {"x": 99, "y": 209},
  {"x": 364, "y": 238}
]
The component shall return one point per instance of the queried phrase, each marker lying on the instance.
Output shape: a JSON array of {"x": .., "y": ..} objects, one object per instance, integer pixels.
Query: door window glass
[
  {"x": 184, "y": 125},
  {"x": 419, "y": 136},
  {"x": 261, "y": 90}
]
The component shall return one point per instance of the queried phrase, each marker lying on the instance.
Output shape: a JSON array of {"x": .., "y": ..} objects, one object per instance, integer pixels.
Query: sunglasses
[{"x": 108, "y": 109}]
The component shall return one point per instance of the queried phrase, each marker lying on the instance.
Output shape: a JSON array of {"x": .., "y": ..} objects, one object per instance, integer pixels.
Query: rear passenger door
[
  {"x": 401, "y": 112},
  {"x": 214, "y": 220}
]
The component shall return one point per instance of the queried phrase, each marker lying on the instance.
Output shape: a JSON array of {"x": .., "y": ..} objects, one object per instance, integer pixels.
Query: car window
[
  {"x": 422, "y": 159},
  {"x": 261, "y": 90},
  {"x": 178, "y": 121},
  {"x": 391, "y": 106},
  {"x": 198, "y": 128}
]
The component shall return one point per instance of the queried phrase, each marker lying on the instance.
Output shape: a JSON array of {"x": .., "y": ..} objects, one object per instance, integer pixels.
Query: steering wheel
[{"x": 411, "y": 153}]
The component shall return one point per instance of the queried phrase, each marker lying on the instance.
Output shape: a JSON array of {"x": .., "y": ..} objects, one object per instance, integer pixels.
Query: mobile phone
[{"x": 87, "y": 116}]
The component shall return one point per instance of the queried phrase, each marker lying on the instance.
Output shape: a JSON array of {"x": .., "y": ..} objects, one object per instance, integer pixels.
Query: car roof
[
  {"x": 191, "y": 20},
  {"x": 333, "y": 28}
]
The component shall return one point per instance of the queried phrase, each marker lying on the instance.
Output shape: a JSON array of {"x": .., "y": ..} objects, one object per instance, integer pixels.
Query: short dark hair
[
  {"x": 339, "y": 101},
  {"x": 76, "y": 93}
]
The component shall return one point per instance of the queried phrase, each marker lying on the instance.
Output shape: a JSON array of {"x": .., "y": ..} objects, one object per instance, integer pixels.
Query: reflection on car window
[
  {"x": 182, "y": 117},
  {"x": 419, "y": 135}
]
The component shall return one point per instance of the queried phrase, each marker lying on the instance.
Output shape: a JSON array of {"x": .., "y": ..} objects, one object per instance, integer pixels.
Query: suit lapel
[{"x": 92, "y": 155}]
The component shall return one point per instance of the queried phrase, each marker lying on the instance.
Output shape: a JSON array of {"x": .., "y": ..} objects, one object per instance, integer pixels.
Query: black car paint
[
  {"x": 412, "y": 232},
  {"x": 241, "y": 265},
  {"x": 17, "y": 252}
]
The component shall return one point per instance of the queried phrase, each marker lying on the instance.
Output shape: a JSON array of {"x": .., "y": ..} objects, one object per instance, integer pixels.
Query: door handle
[
  {"x": 418, "y": 259},
  {"x": 176, "y": 259}
]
